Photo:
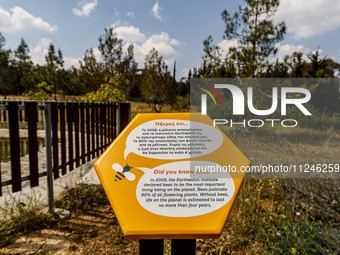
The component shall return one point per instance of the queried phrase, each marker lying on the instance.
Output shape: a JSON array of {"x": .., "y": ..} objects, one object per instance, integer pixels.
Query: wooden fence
[{"x": 75, "y": 133}]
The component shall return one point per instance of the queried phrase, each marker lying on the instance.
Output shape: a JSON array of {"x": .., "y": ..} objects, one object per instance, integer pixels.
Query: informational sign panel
[{"x": 167, "y": 176}]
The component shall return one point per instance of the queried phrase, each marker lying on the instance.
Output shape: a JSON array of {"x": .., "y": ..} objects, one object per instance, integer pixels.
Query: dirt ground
[{"x": 95, "y": 231}]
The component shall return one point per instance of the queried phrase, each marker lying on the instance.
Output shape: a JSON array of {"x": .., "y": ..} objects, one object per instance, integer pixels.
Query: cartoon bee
[{"x": 123, "y": 172}]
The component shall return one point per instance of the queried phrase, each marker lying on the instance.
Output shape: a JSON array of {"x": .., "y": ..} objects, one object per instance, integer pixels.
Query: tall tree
[
  {"x": 297, "y": 65},
  {"x": 2, "y": 41},
  {"x": 213, "y": 66},
  {"x": 156, "y": 84},
  {"x": 24, "y": 67},
  {"x": 318, "y": 67},
  {"x": 5, "y": 87},
  {"x": 22, "y": 52},
  {"x": 173, "y": 89},
  {"x": 324, "y": 95},
  {"x": 90, "y": 73},
  {"x": 54, "y": 62},
  {"x": 211, "y": 58},
  {"x": 277, "y": 69},
  {"x": 253, "y": 28},
  {"x": 111, "y": 49},
  {"x": 128, "y": 68}
]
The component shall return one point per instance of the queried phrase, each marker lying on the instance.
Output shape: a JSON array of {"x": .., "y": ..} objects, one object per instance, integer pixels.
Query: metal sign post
[{"x": 49, "y": 157}]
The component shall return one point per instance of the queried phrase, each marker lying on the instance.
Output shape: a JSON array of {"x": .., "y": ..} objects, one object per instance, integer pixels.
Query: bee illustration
[{"x": 123, "y": 172}]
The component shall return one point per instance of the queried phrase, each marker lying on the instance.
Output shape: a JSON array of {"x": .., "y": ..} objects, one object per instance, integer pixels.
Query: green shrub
[{"x": 82, "y": 197}]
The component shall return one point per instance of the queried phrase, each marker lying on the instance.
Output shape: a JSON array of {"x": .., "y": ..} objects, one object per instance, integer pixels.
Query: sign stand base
[
  {"x": 183, "y": 246},
  {"x": 178, "y": 247},
  {"x": 152, "y": 246}
]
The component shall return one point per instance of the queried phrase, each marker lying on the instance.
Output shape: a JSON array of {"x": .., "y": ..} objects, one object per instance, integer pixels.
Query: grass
[
  {"x": 266, "y": 215},
  {"x": 24, "y": 220},
  {"x": 140, "y": 107},
  {"x": 263, "y": 221},
  {"x": 81, "y": 198},
  {"x": 270, "y": 216},
  {"x": 94, "y": 227},
  {"x": 287, "y": 215}
]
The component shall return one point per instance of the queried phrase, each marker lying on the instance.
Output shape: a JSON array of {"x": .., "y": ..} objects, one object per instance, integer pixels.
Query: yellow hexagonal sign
[{"x": 171, "y": 176}]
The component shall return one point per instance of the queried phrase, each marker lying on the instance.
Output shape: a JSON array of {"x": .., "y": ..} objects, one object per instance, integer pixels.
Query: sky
[{"x": 175, "y": 28}]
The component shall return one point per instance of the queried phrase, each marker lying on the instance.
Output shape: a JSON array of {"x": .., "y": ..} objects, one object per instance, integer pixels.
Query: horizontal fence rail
[{"x": 79, "y": 132}]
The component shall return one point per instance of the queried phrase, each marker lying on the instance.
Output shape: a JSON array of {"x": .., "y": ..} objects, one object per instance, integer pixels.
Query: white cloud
[
  {"x": 156, "y": 9},
  {"x": 175, "y": 42},
  {"x": 119, "y": 23},
  {"x": 319, "y": 50},
  {"x": 305, "y": 18},
  {"x": 18, "y": 19},
  {"x": 97, "y": 54},
  {"x": 115, "y": 12},
  {"x": 161, "y": 42},
  {"x": 283, "y": 50},
  {"x": 288, "y": 49},
  {"x": 71, "y": 61},
  {"x": 85, "y": 8},
  {"x": 129, "y": 34},
  {"x": 225, "y": 45},
  {"x": 143, "y": 43},
  {"x": 184, "y": 72},
  {"x": 39, "y": 52},
  {"x": 131, "y": 14}
]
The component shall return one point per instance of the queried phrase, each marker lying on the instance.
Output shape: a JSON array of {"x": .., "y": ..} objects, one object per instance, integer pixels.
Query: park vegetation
[
  {"x": 270, "y": 216},
  {"x": 116, "y": 76}
]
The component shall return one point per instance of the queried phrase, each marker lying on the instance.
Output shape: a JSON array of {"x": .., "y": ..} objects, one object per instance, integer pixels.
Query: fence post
[
  {"x": 88, "y": 132},
  {"x": 70, "y": 120},
  {"x": 13, "y": 118},
  {"x": 118, "y": 118},
  {"x": 114, "y": 118},
  {"x": 96, "y": 108},
  {"x": 76, "y": 132},
  {"x": 82, "y": 131},
  {"x": 54, "y": 123},
  {"x": 93, "y": 120},
  {"x": 124, "y": 115},
  {"x": 47, "y": 110},
  {"x": 62, "y": 137},
  {"x": 31, "y": 116},
  {"x": 42, "y": 115}
]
